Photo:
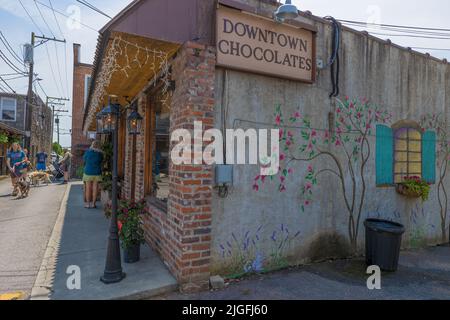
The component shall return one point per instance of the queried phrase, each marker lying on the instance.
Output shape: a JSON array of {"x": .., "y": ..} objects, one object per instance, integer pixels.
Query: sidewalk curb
[{"x": 43, "y": 285}]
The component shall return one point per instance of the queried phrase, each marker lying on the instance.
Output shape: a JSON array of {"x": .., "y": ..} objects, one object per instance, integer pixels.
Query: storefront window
[{"x": 157, "y": 125}]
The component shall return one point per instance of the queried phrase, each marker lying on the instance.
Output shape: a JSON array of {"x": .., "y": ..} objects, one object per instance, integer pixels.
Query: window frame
[
  {"x": 406, "y": 125},
  {"x": 1, "y": 108},
  {"x": 87, "y": 84}
]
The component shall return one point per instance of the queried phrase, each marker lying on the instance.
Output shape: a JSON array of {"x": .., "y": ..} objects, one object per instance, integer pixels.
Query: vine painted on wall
[
  {"x": 436, "y": 122},
  {"x": 244, "y": 254},
  {"x": 346, "y": 146}
]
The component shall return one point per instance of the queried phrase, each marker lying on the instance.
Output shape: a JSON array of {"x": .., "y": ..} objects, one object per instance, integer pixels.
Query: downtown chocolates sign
[{"x": 254, "y": 44}]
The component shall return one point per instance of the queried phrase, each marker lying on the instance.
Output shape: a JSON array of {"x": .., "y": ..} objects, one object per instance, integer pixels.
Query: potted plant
[
  {"x": 414, "y": 187},
  {"x": 106, "y": 187},
  {"x": 131, "y": 233}
]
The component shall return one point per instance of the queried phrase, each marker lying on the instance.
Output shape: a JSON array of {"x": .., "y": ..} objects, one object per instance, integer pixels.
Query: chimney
[{"x": 76, "y": 53}]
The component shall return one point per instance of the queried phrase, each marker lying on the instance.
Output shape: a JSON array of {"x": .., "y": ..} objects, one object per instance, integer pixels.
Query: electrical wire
[
  {"x": 67, "y": 16},
  {"x": 90, "y": 6},
  {"x": 56, "y": 53},
  {"x": 14, "y": 67},
  {"x": 392, "y": 25},
  {"x": 6, "y": 83},
  {"x": 10, "y": 49}
]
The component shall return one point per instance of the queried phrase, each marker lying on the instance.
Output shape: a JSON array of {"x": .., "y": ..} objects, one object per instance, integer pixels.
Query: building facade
[
  {"x": 82, "y": 73},
  {"x": 12, "y": 118},
  {"x": 348, "y": 140}
]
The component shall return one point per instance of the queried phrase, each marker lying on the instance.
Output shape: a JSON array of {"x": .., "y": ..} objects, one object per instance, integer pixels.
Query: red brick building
[
  {"x": 218, "y": 62},
  {"x": 82, "y": 74}
]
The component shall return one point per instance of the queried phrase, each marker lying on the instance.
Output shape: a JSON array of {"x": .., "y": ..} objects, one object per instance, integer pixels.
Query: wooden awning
[
  {"x": 125, "y": 67},
  {"x": 11, "y": 130}
]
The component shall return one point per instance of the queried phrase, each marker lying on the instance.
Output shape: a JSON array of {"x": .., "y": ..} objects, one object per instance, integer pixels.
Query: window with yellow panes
[{"x": 407, "y": 154}]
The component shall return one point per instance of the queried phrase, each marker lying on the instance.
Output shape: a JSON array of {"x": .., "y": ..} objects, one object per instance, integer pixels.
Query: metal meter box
[{"x": 224, "y": 174}]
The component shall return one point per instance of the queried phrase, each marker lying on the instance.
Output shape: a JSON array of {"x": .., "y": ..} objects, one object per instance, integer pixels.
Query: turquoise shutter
[
  {"x": 429, "y": 156},
  {"x": 384, "y": 156}
]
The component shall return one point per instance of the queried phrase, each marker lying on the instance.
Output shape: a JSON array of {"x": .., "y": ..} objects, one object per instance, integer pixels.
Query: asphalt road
[{"x": 25, "y": 228}]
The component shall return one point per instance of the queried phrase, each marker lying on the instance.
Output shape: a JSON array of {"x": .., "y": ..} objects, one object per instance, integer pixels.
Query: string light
[{"x": 156, "y": 59}]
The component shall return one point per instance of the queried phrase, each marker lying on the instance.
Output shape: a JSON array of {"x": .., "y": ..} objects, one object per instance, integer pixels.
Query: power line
[
  {"x": 6, "y": 83},
  {"x": 56, "y": 51},
  {"x": 31, "y": 18},
  {"x": 392, "y": 25},
  {"x": 9, "y": 62},
  {"x": 90, "y": 6},
  {"x": 65, "y": 15},
  {"x": 65, "y": 45},
  {"x": 10, "y": 49}
]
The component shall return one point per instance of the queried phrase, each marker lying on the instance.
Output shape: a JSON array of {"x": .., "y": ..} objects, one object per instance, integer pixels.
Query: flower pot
[
  {"x": 407, "y": 192},
  {"x": 132, "y": 254}
]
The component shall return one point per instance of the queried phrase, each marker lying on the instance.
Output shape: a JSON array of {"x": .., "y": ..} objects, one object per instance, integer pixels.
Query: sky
[{"x": 54, "y": 61}]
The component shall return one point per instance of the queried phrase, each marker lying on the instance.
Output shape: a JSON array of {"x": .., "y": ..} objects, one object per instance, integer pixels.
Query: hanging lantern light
[
  {"x": 134, "y": 122},
  {"x": 286, "y": 11},
  {"x": 107, "y": 119}
]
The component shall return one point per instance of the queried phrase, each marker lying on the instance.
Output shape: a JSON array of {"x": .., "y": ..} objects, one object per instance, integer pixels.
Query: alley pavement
[
  {"x": 422, "y": 275},
  {"x": 25, "y": 228}
]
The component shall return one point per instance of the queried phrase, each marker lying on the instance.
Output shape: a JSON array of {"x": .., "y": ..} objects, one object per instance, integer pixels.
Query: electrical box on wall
[{"x": 224, "y": 174}]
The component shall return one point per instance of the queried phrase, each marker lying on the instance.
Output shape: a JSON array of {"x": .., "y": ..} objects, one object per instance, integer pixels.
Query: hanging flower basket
[{"x": 413, "y": 187}]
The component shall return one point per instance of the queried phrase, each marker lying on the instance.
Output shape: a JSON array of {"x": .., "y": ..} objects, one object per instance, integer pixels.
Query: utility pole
[
  {"x": 57, "y": 121},
  {"x": 29, "y": 107},
  {"x": 53, "y": 101}
]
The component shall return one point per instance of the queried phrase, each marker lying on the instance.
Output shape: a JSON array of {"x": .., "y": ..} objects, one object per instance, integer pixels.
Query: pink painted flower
[
  {"x": 290, "y": 134},
  {"x": 281, "y": 133},
  {"x": 288, "y": 142},
  {"x": 257, "y": 178},
  {"x": 310, "y": 146},
  {"x": 307, "y": 202},
  {"x": 313, "y": 133},
  {"x": 338, "y": 143},
  {"x": 282, "y": 188},
  {"x": 282, "y": 178},
  {"x": 278, "y": 120},
  {"x": 338, "y": 110},
  {"x": 291, "y": 171},
  {"x": 308, "y": 186},
  {"x": 255, "y": 187},
  {"x": 282, "y": 157},
  {"x": 310, "y": 168},
  {"x": 297, "y": 115}
]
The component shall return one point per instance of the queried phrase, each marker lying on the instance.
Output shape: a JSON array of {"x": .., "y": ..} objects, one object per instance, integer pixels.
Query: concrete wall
[{"x": 408, "y": 84}]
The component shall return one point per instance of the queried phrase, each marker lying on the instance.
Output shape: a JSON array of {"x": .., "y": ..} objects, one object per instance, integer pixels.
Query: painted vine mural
[
  {"x": 437, "y": 123},
  {"x": 347, "y": 147}
]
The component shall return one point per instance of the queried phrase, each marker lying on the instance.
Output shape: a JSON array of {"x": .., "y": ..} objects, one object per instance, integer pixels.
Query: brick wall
[
  {"x": 79, "y": 140},
  {"x": 182, "y": 235}
]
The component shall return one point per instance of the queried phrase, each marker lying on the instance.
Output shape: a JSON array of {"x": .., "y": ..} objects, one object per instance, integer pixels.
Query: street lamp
[{"x": 107, "y": 123}]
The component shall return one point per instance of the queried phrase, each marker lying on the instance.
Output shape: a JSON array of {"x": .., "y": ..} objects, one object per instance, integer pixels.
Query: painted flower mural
[
  {"x": 246, "y": 253},
  {"x": 345, "y": 144}
]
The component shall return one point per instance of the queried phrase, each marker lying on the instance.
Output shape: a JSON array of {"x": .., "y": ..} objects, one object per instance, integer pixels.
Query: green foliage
[
  {"x": 417, "y": 186},
  {"x": 130, "y": 225},
  {"x": 80, "y": 171},
  {"x": 57, "y": 148},
  {"x": 106, "y": 183},
  {"x": 14, "y": 139},
  {"x": 3, "y": 138}
]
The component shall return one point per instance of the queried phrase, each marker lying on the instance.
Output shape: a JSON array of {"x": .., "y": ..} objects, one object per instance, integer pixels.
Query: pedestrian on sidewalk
[
  {"x": 93, "y": 159},
  {"x": 41, "y": 161},
  {"x": 66, "y": 165},
  {"x": 15, "y": 161}
]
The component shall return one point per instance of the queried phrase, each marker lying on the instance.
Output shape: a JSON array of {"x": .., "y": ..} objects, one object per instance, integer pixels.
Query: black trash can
[{"x": 383, "y": 241}]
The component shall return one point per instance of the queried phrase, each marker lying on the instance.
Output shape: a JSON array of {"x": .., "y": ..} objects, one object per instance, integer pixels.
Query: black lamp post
[{"x": 107, "y": 123}]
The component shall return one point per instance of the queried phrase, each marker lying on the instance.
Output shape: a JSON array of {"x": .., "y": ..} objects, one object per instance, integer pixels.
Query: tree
[
  {"x": 347, "y": 147},
  {"x": 56, "y": 147}
]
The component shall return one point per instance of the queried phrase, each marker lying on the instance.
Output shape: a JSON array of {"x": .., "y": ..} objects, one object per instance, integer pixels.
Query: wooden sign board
[{"x": 251, "y": 43}]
